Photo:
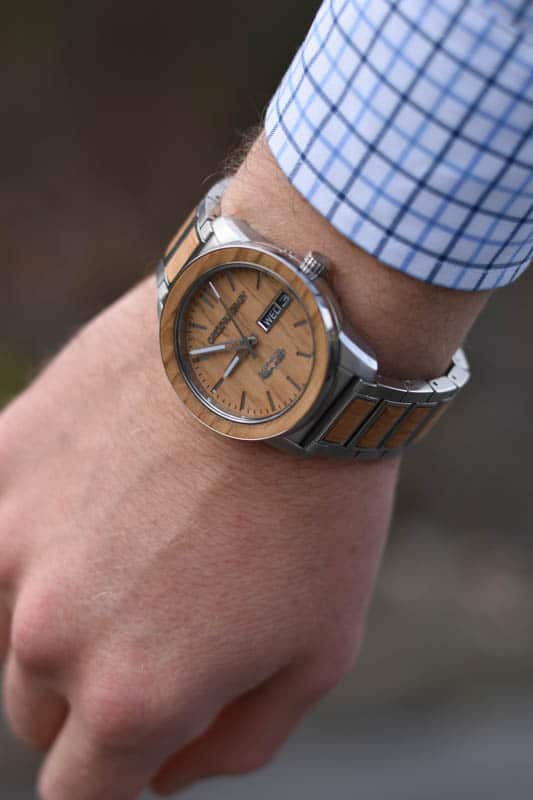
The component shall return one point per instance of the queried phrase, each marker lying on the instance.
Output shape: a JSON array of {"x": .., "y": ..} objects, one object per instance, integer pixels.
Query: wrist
[
  {"x": 413, "y": 328},
  {"x": 217, "y": 459}
]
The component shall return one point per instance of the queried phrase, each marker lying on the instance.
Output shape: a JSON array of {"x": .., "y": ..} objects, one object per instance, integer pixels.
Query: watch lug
[
  {"x": 355, "y": 356},
  {"x": 209, "y": 209},
  {"x": 162, "y": 286},
  {"x": 227, "y": 230}
]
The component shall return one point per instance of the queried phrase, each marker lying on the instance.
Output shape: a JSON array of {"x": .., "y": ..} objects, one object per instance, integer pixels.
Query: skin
[{"x": 172, "y": 603}]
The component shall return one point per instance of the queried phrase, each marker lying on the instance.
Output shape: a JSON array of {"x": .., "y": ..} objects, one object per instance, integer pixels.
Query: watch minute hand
[{"x": 236, "y": 344}]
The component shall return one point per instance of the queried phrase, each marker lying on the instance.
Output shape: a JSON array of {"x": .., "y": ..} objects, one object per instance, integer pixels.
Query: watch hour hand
[
  {"x": 235, "y": 361},
  {"x": 231, "y": 366}
]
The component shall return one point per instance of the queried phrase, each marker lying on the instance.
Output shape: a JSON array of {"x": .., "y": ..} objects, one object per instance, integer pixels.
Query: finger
[
  {"x": 34, "y": 711},
  {"x": 5, "y": 624},
  {"x": 79, "y": 767},
  {"x": 244, "y": 737}
]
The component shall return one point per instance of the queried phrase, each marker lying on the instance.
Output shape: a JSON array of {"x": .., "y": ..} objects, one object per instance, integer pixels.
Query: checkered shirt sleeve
[{"x": 409, "y": 125}]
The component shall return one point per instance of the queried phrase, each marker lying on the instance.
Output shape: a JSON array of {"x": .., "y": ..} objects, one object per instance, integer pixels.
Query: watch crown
[{"x": 314, "y": 265}]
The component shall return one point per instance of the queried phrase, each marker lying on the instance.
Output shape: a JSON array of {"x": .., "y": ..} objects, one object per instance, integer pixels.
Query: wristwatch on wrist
[{"x": 254, "y": 342}]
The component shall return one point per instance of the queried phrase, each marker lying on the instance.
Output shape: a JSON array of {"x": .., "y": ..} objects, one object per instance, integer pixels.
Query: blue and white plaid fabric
[{"x": 409, "y": 125}]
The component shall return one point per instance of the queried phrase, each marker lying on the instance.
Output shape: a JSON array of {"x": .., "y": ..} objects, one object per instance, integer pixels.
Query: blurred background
[{"x": 113, "y": 117}]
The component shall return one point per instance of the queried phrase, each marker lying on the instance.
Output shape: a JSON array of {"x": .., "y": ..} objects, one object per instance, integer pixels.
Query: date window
[{"x": 269, "y": 318}]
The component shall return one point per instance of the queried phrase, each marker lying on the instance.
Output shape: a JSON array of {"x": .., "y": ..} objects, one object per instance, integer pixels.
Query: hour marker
[
  {"x": 217, "y": 385},
  {"x": 243, "y": 401},
  {"x": 230, "y": 280},
  {"x": 207, "y": 300},
  {"x": 200, "y": 357},
  {"x": 197, "y": 325},
  {"x": 259, "y": 276},
  {"x": 272, "y": 405},
  {"x": 304, "y": 355},
  {"x": 214, "y": 290},
  {"x": 301, "y": 322},
  {"x": 293, "y": 383}
]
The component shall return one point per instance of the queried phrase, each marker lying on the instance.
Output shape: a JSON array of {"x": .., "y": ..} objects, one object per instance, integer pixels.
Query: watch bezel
[{"x": 318, "y": 305}]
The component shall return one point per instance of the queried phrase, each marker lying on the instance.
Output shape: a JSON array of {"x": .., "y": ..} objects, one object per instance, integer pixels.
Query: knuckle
[
  {"x": 119, "y": 711},
  {"x": 48, "y": 787},
  {"x": 36, "y": 640},
  {"x": 323, "y": 684},
  {"x": 44, "y": 789},
  {"x": 13, "y": 432},
  {"x": 326, "y": 675},
  {"x": 125, "y": 707},
  {"x": 193, "y": 706},
  {"x": 11, "y": 524},
  {"x": 4, "y": 630},
  {"x": 243, "y": 762},
  {"x": 5, "y": 439}
]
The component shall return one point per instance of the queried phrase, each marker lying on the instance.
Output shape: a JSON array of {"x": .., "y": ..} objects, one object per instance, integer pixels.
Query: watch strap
[
  {"x": 372, "y": 420},
  {"x": 182, "y": 247},
  {"x": 190, "y": 238}
]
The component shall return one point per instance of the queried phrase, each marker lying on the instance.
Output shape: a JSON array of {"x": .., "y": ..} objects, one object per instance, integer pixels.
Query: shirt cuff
[{"x": 409, "y": 126}]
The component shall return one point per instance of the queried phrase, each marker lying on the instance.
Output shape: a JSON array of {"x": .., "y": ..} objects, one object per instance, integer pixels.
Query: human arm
[
  {"x": 126, "y": 552},
  {"x": 149, "y": 586},
  {"x": 157, "y": 575}
]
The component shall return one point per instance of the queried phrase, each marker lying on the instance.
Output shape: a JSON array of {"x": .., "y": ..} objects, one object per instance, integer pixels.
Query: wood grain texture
[
  {"x": 431, "y": 421},
  {"x": 389, "y": 430},
  {"x": 378, "y": 430},
  {"x": 408, "y": 426},
  {"x": 275, "y": 373},
  {"x": 350, "y": 420},
  {"x": 183, "y": 250},
  {"x": 180, "y": 233},
  {"x": 275, "y": 264}
]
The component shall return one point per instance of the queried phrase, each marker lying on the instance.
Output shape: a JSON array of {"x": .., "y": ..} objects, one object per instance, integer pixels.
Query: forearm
[{"x": 413, "y": 327}]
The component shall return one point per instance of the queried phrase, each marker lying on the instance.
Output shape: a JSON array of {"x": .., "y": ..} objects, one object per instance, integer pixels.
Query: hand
[
  {"x": 236, "y": 344},
  {"x": 176, "y": 601},
  {"x": 250, "y": 341}
]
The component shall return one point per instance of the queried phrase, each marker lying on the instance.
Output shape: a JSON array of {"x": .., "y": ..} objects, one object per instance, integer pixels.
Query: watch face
[{"x": 245, "y": 343}]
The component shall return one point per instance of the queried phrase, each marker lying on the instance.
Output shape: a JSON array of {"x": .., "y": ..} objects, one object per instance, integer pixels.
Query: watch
[{"x": 255, "y": 344}]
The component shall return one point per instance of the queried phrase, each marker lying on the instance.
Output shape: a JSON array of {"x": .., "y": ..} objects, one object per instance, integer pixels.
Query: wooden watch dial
[{"x": 245, "y": 342}]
